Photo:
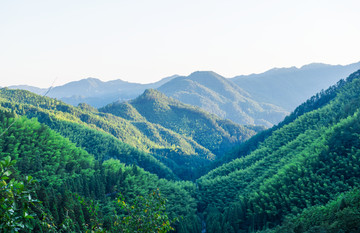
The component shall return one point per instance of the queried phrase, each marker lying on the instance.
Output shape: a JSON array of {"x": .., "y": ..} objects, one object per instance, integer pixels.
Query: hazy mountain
[
  {"x": 222, "y": 97},
  {"x": 94, "y": 91},
  {"x": 289, "y": 87},
  {"x": 260, "y": 99},
  {"x": 36, "y": 90}
]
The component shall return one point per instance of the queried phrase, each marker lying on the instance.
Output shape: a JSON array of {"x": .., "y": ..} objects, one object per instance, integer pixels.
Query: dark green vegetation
[
  {"x": 16, "y": 198},
  {"x": 88, "y": 130},
  {"x": 339, "y": 215},
  {"x": 311, "y": 159},
  {"x": 302, "y": 175},
  {"x": 206, "y": 130},
  {"x": 182, "y": 145},
  {"x": 63, "y": 170},
  {"x": 222, "y": 97}
]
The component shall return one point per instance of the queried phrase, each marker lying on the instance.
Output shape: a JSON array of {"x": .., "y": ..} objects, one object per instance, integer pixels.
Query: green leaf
[{"x": 7, "y": 173}]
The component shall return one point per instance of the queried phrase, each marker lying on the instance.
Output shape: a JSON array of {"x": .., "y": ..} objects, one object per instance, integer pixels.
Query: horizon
[
  {"x": 249, "y": 74},
  {"x": 142, "y": 42}
]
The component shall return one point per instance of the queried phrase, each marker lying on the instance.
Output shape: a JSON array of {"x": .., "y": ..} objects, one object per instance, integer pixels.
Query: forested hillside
[
  {"x": 65, "y": 171},
  {"x": 164, "y": 146},
  {"x": 302, "y": 175},
  {"x": 308, "y": 161},
  {"x": 209, "y": 131},
  {"x": 97, "y": 135}
]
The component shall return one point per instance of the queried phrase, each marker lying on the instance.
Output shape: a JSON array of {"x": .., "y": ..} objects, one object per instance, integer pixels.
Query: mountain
[
  {"x": 222, "y": 97},
  {"x": 289, "y": 87},
  {"x": 170, "y": 151},
  {"x": 94, "y": 91},
  {"x": 260, "y": 99},
  {"x": 83, "y": 126},
  {"x": 207, "y": 130},
  {"x": 301, "y": 175},
  {"x": 74, "y": 191},
  {"x": 36, "y": 90},
  {"x": 308, "y": 160}
]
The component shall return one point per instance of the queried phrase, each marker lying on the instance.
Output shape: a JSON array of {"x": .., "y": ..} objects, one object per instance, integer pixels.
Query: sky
[{"x": 145, "y": 41}]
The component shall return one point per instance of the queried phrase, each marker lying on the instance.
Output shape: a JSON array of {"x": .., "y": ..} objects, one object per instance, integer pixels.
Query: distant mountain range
[
  {"x": 289, "y": 87},
  {"x": 260, "y": 99},
  {"x": 95, "y": 92}
]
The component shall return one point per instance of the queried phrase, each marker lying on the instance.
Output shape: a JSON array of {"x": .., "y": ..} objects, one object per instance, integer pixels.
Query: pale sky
[{"x": 144, "y": 41}]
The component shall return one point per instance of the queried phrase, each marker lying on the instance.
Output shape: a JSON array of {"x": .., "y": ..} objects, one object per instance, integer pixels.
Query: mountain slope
[
  {"x": 341, "y": 214},
  {"x": 83, "y": 127},
  {"x": 222, "y": 97},
  {"x": 70, "y": 180},
  {"x": 306, "y": 162},
  {"x": 149, "y": 145},
  {"x": 289, "y": 87},
  {"x": 207, "y": 130}
]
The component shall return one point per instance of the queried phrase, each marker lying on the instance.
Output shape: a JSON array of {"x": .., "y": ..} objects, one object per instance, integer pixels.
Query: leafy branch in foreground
[
  {"x": 146, "y": 214},
  {"x": 16, "y": 199}
]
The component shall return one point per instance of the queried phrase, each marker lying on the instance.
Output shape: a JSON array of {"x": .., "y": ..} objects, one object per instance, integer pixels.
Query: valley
[{"x": 262, "y": 169}]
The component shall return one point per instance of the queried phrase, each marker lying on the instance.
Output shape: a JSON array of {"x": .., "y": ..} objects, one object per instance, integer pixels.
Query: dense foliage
[
  {"x": 16, "y": 199},
  {"x": 63, "y": 170},
  {"x": 207, "y": 130},
  {"x": 306, "y": 162},
  {"x": 302, "y": 175},
  {"x": 123, "y": 137},
  {"x": 339, "y": 215}
]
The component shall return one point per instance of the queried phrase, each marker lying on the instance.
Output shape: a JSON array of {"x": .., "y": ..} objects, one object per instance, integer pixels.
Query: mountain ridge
[
  {"x": 209, "y": 131},
  {"x": 289, "y": 87},
  {"x": 95, "y": 92},
  {"x": 222, "y": 97}
]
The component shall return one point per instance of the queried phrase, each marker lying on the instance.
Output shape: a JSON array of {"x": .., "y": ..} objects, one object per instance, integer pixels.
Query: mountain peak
[
  {"x": 314, "y": 66},
  {"x": 89, "y": 82},
  {"x": 151, "y": 95},
  {"x": 204, "y": 74}
]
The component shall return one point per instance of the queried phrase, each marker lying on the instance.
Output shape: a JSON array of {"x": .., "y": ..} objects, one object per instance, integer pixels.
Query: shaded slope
[
  {"x": 341, "y": 214},
  {"x": 306, "y": 162},
  {"x": 222, "y": 97},
  {"x": 106, "y": 128},
  {"x": 207, "y": 130},
  {"x": 149, "y": 145}
]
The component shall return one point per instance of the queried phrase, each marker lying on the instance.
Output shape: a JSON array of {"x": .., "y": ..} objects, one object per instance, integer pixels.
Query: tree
[
  {"x": 146, "y": 214},
  {"x": 16, "y": 199}
]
